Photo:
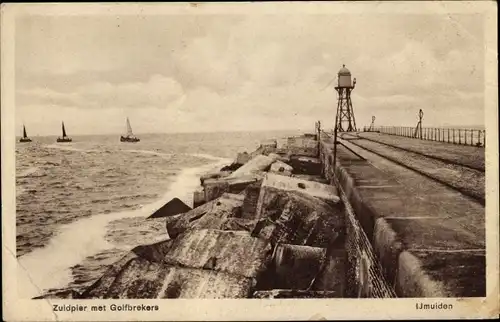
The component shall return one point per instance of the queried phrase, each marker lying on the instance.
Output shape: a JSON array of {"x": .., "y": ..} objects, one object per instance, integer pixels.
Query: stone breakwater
[{"x": 267, "y": 226}]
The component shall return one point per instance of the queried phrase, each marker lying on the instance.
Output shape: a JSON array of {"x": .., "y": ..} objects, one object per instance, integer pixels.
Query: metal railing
[{"x": 450, "y": 135}]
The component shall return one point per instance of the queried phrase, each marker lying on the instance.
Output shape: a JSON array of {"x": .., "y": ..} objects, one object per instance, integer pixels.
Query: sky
[{"x": 237, "y": 72}]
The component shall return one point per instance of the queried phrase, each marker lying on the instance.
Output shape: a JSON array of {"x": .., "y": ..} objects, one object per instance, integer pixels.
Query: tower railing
[{"x": 462, "y": 136}]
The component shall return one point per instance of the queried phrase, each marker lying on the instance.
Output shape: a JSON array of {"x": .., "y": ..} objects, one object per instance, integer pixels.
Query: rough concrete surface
[{"x": 468, "y": 155}]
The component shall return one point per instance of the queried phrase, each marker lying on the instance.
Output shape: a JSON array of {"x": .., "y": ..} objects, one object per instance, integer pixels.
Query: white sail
[{"x": 129, "y": 128}]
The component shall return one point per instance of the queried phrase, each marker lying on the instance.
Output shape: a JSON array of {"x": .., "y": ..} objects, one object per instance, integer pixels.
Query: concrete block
[
  {"x": 308, "y": 177},
  {"x": 198, "y": 197},
  {"x": 332, "y": 276},
  {"x": 314, "y": 218},
  {"x": 266, "y": 147},
  {"x": 142, "y": 279},
  {"x": 232, "y": 252},
  {"x": 211, "y": 215},
  {"x": 296, "y": 266},
  {"x": 214, "y": 188},
  {"x": 214, "y": 175},
  {"x": 281, "y": 168},
  {"x": 243, "y": 158},
  {"x": 100, "y": 288},
  {"x": 327, "y": 193},
  {"x": 306, "y": 165},
  {"x": 251, "y": 193},
  {"x": 302, "y": 146},
  {"x": 171, "y": 208},
  {"x": 257, "y": 164},
  {"x": 283, "y": 157},
  {"x": 271, "y": 143}
]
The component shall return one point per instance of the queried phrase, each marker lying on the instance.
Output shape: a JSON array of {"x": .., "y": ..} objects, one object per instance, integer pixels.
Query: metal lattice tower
[{"x": 344, "y": 119}]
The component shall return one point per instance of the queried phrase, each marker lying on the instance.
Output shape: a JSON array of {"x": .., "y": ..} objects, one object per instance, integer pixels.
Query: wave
[
  {"x": 50, "y": 267},
  {"x": 210, "y": 157},
  {"x": 68, "y": 148},
  {"x": 30, "y": 172},
  {"x": 150, "y": 152}
]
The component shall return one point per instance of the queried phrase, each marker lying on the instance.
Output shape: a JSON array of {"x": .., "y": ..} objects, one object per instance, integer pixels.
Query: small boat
[
  {"x": 64, "y": 138},
  {"x": 25, "y": 137},
  {"x": 129, "y": 137}
]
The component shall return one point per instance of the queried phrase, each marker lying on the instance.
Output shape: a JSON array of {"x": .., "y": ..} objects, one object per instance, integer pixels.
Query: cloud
[
  {"x": 157, "y": 92},
  {"x": 212, "y": 72}
]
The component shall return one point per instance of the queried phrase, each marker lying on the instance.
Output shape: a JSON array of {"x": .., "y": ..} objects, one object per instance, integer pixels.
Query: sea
[{"x": 81, "y": 206}]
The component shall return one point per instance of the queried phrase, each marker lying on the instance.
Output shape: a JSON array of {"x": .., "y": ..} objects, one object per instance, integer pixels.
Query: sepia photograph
[{"x": 313, "y": 152}]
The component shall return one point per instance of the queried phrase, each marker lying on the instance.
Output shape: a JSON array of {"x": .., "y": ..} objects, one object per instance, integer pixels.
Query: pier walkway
[{"x": 421, "y": 207}]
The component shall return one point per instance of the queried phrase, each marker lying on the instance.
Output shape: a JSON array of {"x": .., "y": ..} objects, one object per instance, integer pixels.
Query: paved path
[
  {"x": 466, "y": 180},
  {"x": 467, "y": 155}
]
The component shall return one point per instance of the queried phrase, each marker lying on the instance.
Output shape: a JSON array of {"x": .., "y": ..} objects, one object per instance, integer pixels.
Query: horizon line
[
  {"x": 182, "y": 132},
  {"x": 462, "y": 127}
]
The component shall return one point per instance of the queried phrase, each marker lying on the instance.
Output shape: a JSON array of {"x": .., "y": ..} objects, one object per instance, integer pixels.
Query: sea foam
[{"x": 50, "y": 267}]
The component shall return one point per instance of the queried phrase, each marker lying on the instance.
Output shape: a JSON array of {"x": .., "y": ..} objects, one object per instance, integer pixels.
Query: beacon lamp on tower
[{"x": 344, "y": 119}]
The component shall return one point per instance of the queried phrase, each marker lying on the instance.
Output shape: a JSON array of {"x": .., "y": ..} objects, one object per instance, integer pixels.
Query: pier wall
[{"x": 364, "y": 275}]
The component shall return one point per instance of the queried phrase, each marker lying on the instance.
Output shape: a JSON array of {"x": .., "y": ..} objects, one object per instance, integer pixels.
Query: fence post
[
  {"x": 465, "y": 136},
  {"x": 471, "y": 137},
  {"x": 459, "y": 137},
  {"x": 448, "y": 135},
  {"x": 484, "y": 138}
]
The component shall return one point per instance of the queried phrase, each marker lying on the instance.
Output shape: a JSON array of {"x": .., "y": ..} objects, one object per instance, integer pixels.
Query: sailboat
[
  {"x": 129, "y": 137},
  {"x": 64, "y": 138},
  {"x": 25, "y": 137}
]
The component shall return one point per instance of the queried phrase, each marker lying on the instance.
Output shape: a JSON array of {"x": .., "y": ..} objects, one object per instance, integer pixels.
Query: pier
[
  {"x": 373, "y": 215},
  {"x": 420, "y": 207}
]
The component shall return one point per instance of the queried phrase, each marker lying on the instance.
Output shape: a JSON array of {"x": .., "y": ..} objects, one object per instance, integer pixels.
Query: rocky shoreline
[{"x": 266, "y": 226}]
